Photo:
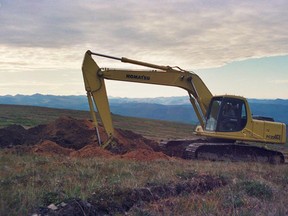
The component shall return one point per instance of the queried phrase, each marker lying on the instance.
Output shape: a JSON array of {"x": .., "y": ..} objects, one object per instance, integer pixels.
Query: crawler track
[{"x": 201, "y": 149}]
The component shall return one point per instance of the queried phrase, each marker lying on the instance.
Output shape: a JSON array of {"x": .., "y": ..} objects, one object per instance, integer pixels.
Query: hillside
[{"x": 164, "y": 108}]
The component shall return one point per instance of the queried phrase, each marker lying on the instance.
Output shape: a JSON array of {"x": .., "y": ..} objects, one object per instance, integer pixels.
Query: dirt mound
[
  {"x": 76, "y": 134},
  {"x": 77, "y": 138},
  {"x": 126, "y": 141},
  {"x": 67, "y": 132},
  {"x": 12, "y": 135},
  {"x": 91, "y": 151},
  {"x": 48, "y": 147},
  {"x": 51, "y": 148}
]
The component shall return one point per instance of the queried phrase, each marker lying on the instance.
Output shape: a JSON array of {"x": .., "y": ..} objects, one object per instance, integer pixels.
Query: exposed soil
[
  {"x": 77, "y": 138},
  {"x": 66, "y": 132},
  {"x": 92, "y": 151},
  {"x": 48, "y": 147},
  {"x": 12, "y": 135}
]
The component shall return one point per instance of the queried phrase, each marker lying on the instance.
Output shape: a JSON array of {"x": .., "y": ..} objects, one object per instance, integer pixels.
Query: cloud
[
  {"x": 199, "y": 29},
  {"x": 284, "y": 82},
  {"x": 54, "y": 34}
]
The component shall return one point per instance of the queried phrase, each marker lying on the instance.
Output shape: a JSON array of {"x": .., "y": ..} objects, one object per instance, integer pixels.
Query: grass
[
  {"x": 29, "y": 181},
  {"x": 30, "y": 116}
]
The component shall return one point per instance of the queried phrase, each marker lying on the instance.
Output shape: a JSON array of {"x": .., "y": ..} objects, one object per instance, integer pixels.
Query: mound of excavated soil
[
  {"x": 65, "y": 131},
  {"x": 48, "y": 147},
  {"x": 91, "y": 151},
  {"x": 12, "y": 135},
  {"x": 127, "y": 141},
  {"x": 77, "y": 138}
]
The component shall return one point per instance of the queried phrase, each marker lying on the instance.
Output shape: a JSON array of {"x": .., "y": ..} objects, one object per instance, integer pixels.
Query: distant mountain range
[{"x": 162, "y": 108}]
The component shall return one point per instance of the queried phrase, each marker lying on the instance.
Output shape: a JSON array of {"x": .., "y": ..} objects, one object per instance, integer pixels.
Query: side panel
[
  {"x": 270, "y": 132},
  {"x": 275, "y": 132}
]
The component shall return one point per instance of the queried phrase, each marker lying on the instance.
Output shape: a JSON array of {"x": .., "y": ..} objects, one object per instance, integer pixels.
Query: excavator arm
[{"x": 94, "y": 77}]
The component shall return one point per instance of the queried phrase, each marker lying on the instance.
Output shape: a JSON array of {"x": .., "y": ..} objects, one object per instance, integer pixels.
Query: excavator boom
[{"x": 164, "y": 75}]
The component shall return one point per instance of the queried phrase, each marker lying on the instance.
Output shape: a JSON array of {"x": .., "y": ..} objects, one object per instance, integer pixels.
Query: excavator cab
[
  {"x": 226, "y": 114},
  {"x": 229, "y": 117}
]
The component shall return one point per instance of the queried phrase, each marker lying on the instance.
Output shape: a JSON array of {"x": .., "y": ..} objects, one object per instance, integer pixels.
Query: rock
[{"x": 52, "y": 207}]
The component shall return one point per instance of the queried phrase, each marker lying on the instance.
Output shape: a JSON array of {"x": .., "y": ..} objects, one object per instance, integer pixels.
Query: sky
[{"x": 236, "y": 47}]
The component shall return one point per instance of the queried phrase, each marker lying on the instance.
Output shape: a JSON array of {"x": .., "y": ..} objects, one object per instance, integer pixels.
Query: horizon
[{"x": 113, "y": 97}]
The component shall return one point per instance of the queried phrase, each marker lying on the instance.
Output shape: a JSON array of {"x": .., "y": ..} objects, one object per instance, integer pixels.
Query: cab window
[{"x": 233, "y": 115}]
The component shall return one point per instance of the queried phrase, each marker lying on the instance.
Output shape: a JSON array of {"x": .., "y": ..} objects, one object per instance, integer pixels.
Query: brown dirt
[
  {"x": 91, "y": 151},
  {"x": 65, "y": 131},
  {"x": 127, "y": 141},
  {"x": 77, "y": 138},
  {"x": 12, "y": 135},
  {"x": 48, "y": 147}
]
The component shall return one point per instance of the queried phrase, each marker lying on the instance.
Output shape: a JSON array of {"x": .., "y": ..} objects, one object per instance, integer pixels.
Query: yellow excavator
[{"x": 226, "y": 123}]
